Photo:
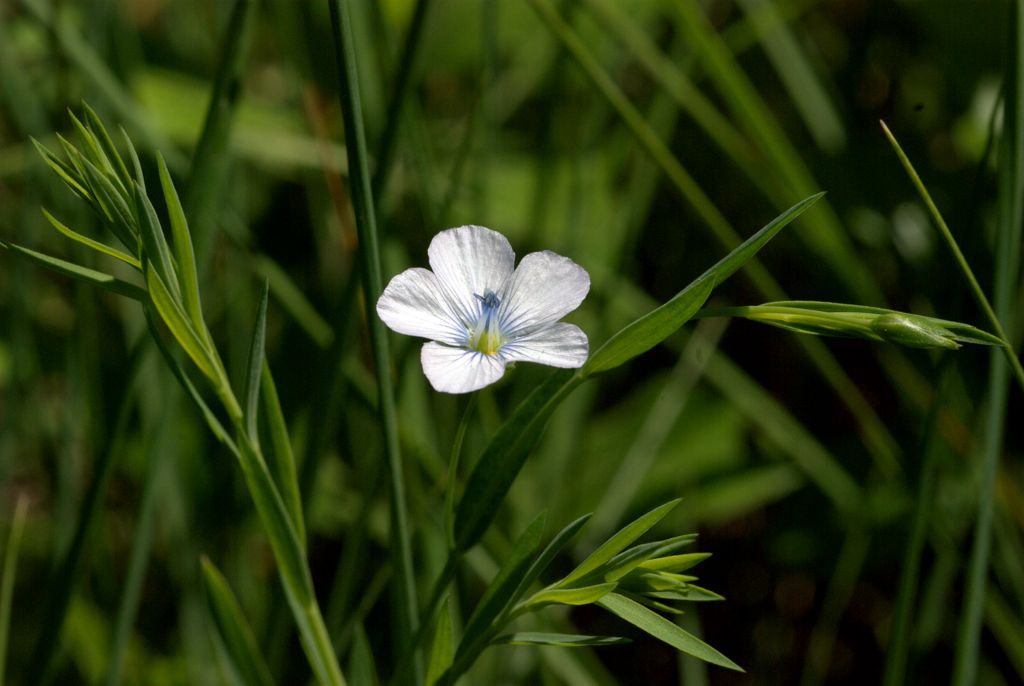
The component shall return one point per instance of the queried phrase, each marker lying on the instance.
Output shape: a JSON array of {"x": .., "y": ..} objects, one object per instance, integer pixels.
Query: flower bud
[{"x": 914, "y": 332}]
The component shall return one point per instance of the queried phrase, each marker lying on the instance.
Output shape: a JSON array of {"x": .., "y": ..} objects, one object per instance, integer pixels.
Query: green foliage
[{"x": 315, "y": 149}]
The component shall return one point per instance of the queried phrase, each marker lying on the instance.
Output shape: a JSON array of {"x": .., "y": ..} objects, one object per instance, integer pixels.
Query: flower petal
[
  {"x": 413, "y": 304},
  {"x": 469, "y": 261},
  {"x": 544, "y": 288},
  {"x": 457, "y": 370},
  {"x": 557, "y": 345}
]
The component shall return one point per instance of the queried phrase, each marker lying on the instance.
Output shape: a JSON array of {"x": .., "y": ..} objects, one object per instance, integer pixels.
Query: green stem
[
  {"x": 958, "y": 256},
  {"x": 366, "y": 224}
]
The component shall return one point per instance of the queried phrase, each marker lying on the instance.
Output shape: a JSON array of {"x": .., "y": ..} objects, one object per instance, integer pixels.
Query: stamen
[{"x": 485, "y": 336}]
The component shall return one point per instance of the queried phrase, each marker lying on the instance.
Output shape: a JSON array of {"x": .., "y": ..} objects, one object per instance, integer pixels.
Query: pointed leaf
[
  {"x": 75, "y": 271},
  {"x": 627, "y": 560},
  {"x": 188, "y": 277},
  {"x": 154, "y": 244},
  {"x": 66, "y": 172},
  {"x": 675, "y": 563},
  {"x": 499, "y": 593},
  {"x": 234, "y": 629},
  {"x": 255, "y": 367},
  {"x": 654, "y": 327},
  {"x": 140, "y": 180},
  {"x": 212, "y": 422},
  {"x": 664, "y": 630},
  {"x": 524, "y": 638},
  {"x": 90, "y": 243},
  {"x": 443, "y": 651},
  {"x": 109, "y": 149},
  {"x": 278, "y": 451},
  {"x": 170, "y": 311},
  {"x": 619, "y": 541},
  {"x": 584, "y": 595},
  {"x": 552, "y": 549}
]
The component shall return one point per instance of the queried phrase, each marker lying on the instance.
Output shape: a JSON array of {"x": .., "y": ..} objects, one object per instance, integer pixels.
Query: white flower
[{"x": 480, "y": 314}]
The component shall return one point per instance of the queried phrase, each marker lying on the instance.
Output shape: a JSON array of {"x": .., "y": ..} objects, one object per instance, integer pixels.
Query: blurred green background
[{"x": 801, "y": 482}]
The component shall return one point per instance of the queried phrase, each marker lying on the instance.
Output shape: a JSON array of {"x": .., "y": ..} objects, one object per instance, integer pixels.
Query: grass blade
[
  {"x": 366, "y": 224},
  {"x": 617, "y": 543},
  {"x": 255, "y": 368},
  {"x": 442, "y": 652},
  {"x": 234, "y": 629},
  {"x": 278, "y": 451}
]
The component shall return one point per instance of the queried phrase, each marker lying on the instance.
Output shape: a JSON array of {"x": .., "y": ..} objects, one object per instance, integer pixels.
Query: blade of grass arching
[
  {"x": 160, "y": 456},
  {"x": 822, "y": 231},
  {"x": 878, "y": 441},
  {"x": 67, "y": 575},
  {"x": 211, "y": 154},
  {"x": 616, "y": 20},
  {"x": 233, "y": 628},
  {"x": 402, "y": 86},
  {"x": 797, "y": 75},
  {"x": 910, "y": 573},
  {"x": 1007, "y": 269},
  {"x": 366, "y": 224},
  {"x": 837, "y": 597},
  {"x": 7, "y": 580},
  {"x": 1009, "y": 249}
]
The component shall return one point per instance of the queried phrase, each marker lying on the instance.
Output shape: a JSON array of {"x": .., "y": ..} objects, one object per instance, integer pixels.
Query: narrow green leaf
[
  {"x": 542, "y": 561},
  {"x": 90, "y": 276},
  {"x": 443, "y": 651},
  {"x": 499, "y": 593},
  {"x": 664, "y": 630},
  {"x": 156, "y": 252},
  {"x": 93, "y": 150},
  {"x": 654, "y": 327},
  {"x": 360, "y": 667},
  {"x": 69, "y": 175},
  {"x": 110, "y": 150},
  {"x": 278, "y": 451},
  {"x": 90, "y": 243},
  {"x": 176, "y": 320},
  {"x": 140, "y": 179},
  {"x": 675, "y": 563},
  {"x": 7, "y": 580},
  {"x": 534, "y": 638},
  {"x": 691, "y": 593},
  {"x": 106, "y": 199},
  {"x": 584, "y": 595},
  {"x": 293, "y": 300},
  {"x": 188, "y": 277},
  {"x": 504, "y": 456},
  {"x": 255, "y": 368},
  {"x": 618, "y": 542},
  {"x": 633, "y": 557},
  {"x": 234, "y": 629},
  {"x": 212, "y": 422}
]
